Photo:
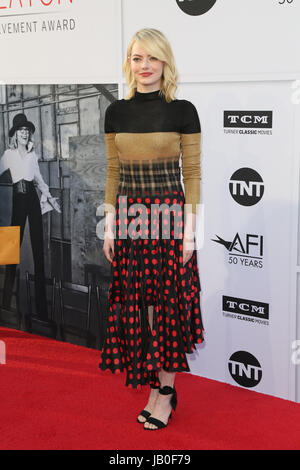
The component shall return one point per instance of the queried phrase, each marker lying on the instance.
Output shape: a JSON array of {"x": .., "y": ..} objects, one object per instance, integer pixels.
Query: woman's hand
[
  {"x": 108, "y": 246},
  {"x": 188, "y": 249},
  {"x": 189, "y": 236},
  {"x": 54, "y": 203}
]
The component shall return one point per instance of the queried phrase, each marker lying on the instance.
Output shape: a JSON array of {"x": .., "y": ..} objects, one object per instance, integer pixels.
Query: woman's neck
[
  {"x": 146, "y": 89},
  {"x": 22, "y": 149}
]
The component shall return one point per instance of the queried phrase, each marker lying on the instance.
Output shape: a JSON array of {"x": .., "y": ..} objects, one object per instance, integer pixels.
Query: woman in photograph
[
  {"x": 22, "y": 161},
  {"x": 154, "y": 316}
]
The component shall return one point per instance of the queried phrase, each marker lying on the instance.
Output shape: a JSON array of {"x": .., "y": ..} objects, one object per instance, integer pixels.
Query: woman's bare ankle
[
  {"x": 151, "y": 403},
  {"x": 152, "y": 396}
]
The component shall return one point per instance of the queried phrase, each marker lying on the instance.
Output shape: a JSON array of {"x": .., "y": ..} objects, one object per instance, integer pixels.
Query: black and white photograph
[{"x": 52, "y": 171}]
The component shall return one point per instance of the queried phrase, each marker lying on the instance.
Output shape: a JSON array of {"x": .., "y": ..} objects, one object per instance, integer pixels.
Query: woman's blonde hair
[
  {"x": 156, "y": 44},
  {"x": 14, "y": 142}
]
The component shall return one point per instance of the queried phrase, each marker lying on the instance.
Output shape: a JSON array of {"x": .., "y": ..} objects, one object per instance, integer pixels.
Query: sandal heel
[{"x": 160, "y": 424}]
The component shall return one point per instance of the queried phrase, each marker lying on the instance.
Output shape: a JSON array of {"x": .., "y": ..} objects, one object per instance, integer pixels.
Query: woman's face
[
  {"x": 146, "y": 69},
  {"x": 23, "y": 136}
]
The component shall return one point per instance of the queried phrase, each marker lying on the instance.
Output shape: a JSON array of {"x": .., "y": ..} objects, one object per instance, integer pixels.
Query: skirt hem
[{"x": 170, "y": 369}]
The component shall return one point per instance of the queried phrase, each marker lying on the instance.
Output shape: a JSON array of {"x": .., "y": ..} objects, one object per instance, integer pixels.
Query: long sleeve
[
  {"x": 112, "y": 157},
  {"x": 3, "y": 163},
  {"x": 43, "y": 187},
  {"x": 190, "y": 138}
]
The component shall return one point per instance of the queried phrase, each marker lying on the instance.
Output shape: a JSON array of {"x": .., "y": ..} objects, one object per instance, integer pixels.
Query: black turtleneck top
[{"x": 145, "y": 137}]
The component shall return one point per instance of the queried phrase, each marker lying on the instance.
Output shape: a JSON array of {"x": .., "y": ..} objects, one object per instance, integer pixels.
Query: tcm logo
[
  {"x": 249, "y": 119},
  {"x": 246, "y": 251},
  {"x": 195, "y": 7},
  {"x": 246, "y": 187},
  {"x": 245, "y": 369},
  {"x": 250, "y": 308}
]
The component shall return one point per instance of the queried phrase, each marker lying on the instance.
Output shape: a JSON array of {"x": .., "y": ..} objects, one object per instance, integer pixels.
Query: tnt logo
[
  {"x": 195, "y": 7},
  {"x": 245, "y": 369},
  {"x": 246, "y": 187},
  {"x": 2, "y": 353}
]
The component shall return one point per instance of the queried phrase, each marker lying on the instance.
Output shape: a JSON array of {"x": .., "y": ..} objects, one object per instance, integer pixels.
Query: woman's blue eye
[{"x": 137, "y": 58}]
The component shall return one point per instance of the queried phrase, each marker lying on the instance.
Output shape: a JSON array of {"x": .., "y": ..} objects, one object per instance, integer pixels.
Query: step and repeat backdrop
[{"x": 239, "y": 64}]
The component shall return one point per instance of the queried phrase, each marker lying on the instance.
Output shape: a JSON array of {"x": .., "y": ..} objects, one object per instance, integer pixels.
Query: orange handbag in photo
[{"x": 9, "y": 245}]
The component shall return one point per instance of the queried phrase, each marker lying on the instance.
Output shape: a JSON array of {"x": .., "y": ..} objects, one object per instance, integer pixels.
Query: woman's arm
[
  {"x": 113, "y": 168},
  {"x": 43, "y": 187},
  {"x": 3, "y": 163},
  {"x": 191, "y": 171}
]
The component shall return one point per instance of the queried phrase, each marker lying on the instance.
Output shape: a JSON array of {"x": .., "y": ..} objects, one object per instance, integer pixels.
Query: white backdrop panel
[
  {"x": 273, "y": 158},
  {"x": 89, "y": 53},
  {"x": 234, "y": 39}
]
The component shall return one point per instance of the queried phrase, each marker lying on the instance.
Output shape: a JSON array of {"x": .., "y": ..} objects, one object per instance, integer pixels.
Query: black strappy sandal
[
  {"x": 163, "y": 391},
  {"x": 146, "y": 414}
]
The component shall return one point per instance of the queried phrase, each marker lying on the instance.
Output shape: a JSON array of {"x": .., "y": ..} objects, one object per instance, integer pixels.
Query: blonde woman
[{"x": 154, "y": 310}]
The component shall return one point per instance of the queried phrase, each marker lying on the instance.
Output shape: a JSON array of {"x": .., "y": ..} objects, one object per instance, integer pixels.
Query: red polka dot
[{"x": 152, "y": 268}]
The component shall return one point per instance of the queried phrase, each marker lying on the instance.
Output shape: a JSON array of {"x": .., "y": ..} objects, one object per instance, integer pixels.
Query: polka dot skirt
[{"x": 147, "y": 271}]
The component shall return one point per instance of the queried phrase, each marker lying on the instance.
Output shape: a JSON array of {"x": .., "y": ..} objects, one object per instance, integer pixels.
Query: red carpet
[{"x": 53, "y": 396}]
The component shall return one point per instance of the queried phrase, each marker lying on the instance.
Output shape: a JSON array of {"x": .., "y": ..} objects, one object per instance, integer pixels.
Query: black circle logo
[
  {"x": 245, "y": 369},
  {"x": 246, "y": 187},
  {"x": 195, "y": 7}
]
